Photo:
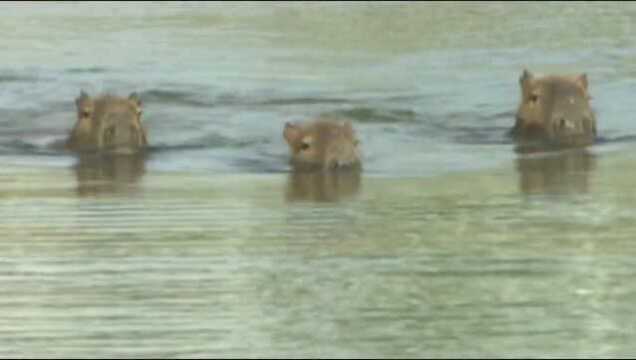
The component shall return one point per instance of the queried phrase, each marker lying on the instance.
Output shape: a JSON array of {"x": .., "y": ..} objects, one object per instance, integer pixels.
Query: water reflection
[
  {"x": 108, "y": 174},
  {"x": 322, "y": 186},
  {"x": 562, "y": 172}
]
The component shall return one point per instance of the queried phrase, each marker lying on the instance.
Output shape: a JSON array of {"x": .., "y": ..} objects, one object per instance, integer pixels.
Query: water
[{"x": 448, "y": 244}]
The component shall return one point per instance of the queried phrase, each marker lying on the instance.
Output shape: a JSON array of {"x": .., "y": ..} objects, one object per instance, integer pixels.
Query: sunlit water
[{"x": 447, "y": 244}]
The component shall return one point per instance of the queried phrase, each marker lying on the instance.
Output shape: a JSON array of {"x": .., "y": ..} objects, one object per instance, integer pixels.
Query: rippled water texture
[{"x": 448, "y": 244}]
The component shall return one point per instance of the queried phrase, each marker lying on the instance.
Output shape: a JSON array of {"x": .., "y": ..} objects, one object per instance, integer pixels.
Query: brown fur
[
  {"x": 555, "y": 110},
  {"x": 324, "y": 143},
  {"x": 108, "y": 123}
]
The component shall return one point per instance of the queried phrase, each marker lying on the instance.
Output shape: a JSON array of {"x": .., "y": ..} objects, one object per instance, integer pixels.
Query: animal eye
[
  {"x": 86, "y": 113},
  {"x": 304, "y": 146},
  {"x": 534, "y": 98}
]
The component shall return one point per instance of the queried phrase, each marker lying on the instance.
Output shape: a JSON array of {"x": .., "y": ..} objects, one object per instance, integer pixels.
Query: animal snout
[
  {"x": 340, "y": 163},
  {"x": 564, "y": 124},
  {"x": 343, "y": 156},
  {"x": 121, "y": 135}
]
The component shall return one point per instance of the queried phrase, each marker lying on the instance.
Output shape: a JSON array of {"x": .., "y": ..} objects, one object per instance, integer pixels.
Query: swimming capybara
[
  {"x": 322, "y": 144},
  {"x": 108, "y": 123},
  {"x": 555, "y": 111}
]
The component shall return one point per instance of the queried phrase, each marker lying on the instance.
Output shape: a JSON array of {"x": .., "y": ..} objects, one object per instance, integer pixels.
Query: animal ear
[
  {"x": 526, "y": 78},
  {"x": 525, "y": 81},
  {"x": 82, "y": 99},
  {"x": 134, "y": 97},
  {"x": 292, "y": 133},
  {"x": 581, "y": 80}
]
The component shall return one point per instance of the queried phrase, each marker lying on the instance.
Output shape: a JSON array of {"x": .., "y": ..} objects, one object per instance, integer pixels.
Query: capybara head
[
  {"x": 108, "y": 123},
  {"x": 322, "y": 144},
  {"x": 555, "y": 110}
]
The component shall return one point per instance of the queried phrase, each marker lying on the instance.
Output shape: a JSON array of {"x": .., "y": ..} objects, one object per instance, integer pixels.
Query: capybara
[
  {"x": 322, "y": 144},
  {"x": 555, "y": 111},
  {"x": 108, "y": 123}
]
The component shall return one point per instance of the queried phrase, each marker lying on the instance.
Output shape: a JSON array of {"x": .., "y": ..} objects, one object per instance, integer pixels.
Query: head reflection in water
[
  {"x": 108, "y": 174},
  {"x": 564, "y": 172},
  {"x": 323, "y": 186}
]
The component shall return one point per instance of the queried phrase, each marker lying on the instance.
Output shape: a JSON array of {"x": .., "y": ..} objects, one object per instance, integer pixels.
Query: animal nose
[
  {"x": 562, "y": 123},
  {"x": 121, "y": 135}
]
